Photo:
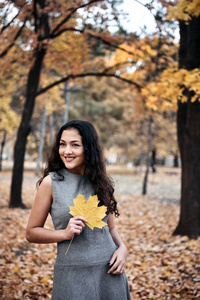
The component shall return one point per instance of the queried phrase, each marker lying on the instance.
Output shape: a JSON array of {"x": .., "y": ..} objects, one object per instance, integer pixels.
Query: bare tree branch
[
  {"x": 93, "y": 35},
  {"x": 72, "y": 11},
  {"x": 66, "y": 29},
  {"x": 124, "y": 63},
  {"x": 35, "y": 15},
  {"x": 81, "y": 75},
  {"x": 4, "y": 52},
  {"x": 106, "y": 42},
  {"x": 7, "y": 25}
]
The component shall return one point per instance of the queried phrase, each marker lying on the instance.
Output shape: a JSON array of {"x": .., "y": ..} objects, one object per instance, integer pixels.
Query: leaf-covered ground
[{"x": 160, "y": 266}]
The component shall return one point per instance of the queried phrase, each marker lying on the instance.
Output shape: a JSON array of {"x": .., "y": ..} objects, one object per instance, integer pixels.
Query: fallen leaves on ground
[{"x": 160, "y": 266}]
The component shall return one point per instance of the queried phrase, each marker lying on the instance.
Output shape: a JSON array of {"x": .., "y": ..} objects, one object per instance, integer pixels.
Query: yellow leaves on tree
[
  {"x": 184, "y": 10},
  {"x": 9, "y": 119},
  {"x": 134, "y": 57},
  {"x": 64, "y": 54},
  {"x": 89, "y": 210},
  {"x": 170, "y": 86},
  {"x": 11, "y": 74},
  {"x": 137, "y": 51}
]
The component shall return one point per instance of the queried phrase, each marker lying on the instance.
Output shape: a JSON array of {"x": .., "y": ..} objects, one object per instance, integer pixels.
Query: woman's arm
[
  {"x": 35, "y": 232},
  {"x": 118, "y": 260}
]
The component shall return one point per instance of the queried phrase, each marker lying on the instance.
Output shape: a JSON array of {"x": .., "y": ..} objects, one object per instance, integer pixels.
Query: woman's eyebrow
[{"x": 71, "y": 141}]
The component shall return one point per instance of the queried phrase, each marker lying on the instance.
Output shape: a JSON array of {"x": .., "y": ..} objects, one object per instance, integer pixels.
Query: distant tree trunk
[
  {"x": 188, "y": 124},
  {"x": 67, "y": 99},
  {"x": 176, "y": 160},
  {"x": 2, "y": 147},
  {"x": 41, "y": 145},
  {"x": 148, "y": 159},
  {"x": 24, "y": 128},
  {"x": 51, "y": 127},
  {"x": 153, "y": 160}
]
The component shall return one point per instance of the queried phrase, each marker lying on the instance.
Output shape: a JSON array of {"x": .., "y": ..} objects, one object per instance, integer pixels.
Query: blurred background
[
  {"x": 98, "y": 65},
  {"x": 131, "y": 68}
]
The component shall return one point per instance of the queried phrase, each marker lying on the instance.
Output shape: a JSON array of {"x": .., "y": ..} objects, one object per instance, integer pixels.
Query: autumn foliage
[{"x": 160, "y": 266}]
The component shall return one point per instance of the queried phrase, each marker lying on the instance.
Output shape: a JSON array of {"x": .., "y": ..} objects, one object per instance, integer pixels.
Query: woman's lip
[{"x": 69, "y": 158}]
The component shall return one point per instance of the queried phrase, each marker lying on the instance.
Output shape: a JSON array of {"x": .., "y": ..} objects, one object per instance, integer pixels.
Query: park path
[{"x": 163, "y": 185}]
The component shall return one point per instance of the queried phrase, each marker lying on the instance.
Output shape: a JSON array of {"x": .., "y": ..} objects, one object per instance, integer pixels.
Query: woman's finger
[
  {"x": 113, "y": 267},
  {"x": 119, "y": 270},
  {"x": 76, "y": 222},
  {"x": 80, "y": 218}
]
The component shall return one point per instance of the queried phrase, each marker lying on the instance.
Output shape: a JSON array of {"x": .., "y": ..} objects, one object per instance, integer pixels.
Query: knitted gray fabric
[{"x": 82, "y": 273}]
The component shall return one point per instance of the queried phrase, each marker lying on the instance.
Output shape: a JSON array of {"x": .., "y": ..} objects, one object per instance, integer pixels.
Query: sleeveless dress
[{"x": 82, "y": 273}]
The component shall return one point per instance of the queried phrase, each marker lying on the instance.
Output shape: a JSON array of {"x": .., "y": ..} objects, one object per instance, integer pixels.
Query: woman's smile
[{"x": 69, "y": 158}]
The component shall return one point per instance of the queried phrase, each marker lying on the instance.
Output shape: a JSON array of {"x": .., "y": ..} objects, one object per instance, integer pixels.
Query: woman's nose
[{"x": 68, "y": 149}]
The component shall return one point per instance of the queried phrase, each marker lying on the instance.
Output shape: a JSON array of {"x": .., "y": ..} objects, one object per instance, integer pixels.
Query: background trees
[
  {"x": 40, "y": 50},
  {"x": 35, "y": 27}
]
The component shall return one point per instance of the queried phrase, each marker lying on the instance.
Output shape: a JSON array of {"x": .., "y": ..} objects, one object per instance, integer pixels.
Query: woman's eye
[
  {"x": 76, "y": 145},
  {"x": 62, "y": 144}
]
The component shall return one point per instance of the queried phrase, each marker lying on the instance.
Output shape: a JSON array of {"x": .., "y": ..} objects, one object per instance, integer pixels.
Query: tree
[
  {"x": 180, "y": 82},
  {"x": 150, "y": 57},
  {"x": 41, "y": 144},
  {"x": 188, "y": 124},
  {"x": 33, "y": 29}
]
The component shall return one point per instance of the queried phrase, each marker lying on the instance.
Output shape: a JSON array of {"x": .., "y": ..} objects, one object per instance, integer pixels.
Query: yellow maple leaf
[{"x": 89, "y": 210}]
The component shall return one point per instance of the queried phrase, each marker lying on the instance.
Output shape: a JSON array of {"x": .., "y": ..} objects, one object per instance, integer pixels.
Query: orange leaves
[
  {"x": 26, "y": 270},
  {"x": 145, "y": 61},
  {"x": 160, "y": 266},
  {"x": 64, "y": 54}
]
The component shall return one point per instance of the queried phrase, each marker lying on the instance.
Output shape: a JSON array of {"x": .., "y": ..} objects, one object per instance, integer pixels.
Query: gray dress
[{"x": 82, "y": 273}]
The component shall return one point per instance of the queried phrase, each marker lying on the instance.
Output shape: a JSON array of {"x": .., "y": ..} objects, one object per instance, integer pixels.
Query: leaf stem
[{"x": 69, "y": 246}]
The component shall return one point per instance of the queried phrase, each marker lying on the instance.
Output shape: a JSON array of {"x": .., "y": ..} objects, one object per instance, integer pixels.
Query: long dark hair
[{"x": 95, "y": 169}]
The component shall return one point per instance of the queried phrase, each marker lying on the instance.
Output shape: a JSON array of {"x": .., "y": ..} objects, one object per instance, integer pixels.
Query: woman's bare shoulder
[
  {"x": 46, "y": 182},
  {"x": 47, "y": 179}
]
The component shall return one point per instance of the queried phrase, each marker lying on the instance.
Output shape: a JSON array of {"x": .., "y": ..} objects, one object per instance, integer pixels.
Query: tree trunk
[
  {"x": 67, "y": 99},
  {"x": 148, "y": 160},
  {"x": 188, "y": 125},
  {"x": 41, "y": 145},
  {"x": 51, "y": 125},
  {"x": 2, "y": 147},
  {"x": 176, "y": 165},
  {"x": 153, "y": 160},
  {"x": 24, "y": 128},
  {"x": 188, "y": 120}
]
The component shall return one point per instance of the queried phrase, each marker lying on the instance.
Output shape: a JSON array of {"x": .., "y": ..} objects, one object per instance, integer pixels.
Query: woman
[{"x": 93, "y": 268}]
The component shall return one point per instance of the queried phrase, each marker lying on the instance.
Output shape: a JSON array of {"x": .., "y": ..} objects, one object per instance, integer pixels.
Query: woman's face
[{"x": 71, "y": 151}]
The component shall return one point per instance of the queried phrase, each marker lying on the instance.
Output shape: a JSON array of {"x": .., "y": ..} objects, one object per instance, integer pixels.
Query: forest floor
[{"x": 160, "y": 266}]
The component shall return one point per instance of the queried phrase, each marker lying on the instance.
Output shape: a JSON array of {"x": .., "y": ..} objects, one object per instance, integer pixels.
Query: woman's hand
[
  {"x": 118, "y": 260},
  {"x": 74, "y": 227}
]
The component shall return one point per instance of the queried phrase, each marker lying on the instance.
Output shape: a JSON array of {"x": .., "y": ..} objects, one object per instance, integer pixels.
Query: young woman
[{"x": 94, "y": 266}]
